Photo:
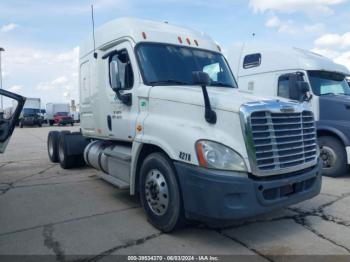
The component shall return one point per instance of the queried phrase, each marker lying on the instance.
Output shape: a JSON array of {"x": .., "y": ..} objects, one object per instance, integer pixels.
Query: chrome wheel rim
[
  {"x": 328, "y": 157},
  {"x": 157, "y": 192}
]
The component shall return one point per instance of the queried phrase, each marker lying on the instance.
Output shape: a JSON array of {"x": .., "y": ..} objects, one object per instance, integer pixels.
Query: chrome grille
[{"x": 283, "y": 140}]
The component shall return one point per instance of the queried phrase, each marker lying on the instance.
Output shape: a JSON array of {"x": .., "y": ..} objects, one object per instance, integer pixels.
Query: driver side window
[{"x": 120, "y": 71}]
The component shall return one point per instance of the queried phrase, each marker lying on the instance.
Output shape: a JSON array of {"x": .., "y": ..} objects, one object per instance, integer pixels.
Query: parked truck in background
[
  {"x": 161, "y": 116},
  {"x": 58, "y": 113},
  {"x": 285, "y": 72},
  {"x": 31, "y": 115}
]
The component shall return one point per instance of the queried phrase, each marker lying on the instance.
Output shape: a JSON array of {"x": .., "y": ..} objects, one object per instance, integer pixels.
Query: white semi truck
[
  {"x": 298, "y": 74},
  {"x": 161, "y": 116}
]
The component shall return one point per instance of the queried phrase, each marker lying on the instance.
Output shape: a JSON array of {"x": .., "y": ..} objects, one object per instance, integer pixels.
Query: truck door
[
  {"x": 123, "y": 75},
  {"x": 9, "y": 116}
]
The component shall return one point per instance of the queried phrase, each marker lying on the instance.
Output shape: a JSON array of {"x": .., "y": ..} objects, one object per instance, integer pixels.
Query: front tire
[
  {"x": 333, "y": 156},
  {"x": 160, "y": 193}
]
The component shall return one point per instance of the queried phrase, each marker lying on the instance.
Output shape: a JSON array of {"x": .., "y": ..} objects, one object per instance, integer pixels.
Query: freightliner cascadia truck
[
  {"x": 285, "y": 72},
  {"x": 161, "y": 116}
]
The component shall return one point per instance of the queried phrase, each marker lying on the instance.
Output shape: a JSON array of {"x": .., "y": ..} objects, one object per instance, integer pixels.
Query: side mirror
[
  {"x": 298, "y": 89},
  {"x": 114, "y": 75},
  {"x": 200, "y": 78},
  {"x": 303, "y": 87}
]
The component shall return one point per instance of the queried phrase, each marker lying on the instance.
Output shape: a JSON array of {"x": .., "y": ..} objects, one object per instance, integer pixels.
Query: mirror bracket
[{"x": 202, "y": 79}]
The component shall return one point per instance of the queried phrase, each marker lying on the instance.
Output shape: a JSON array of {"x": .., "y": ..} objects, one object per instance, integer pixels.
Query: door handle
[{"x": 109, "y": 122}]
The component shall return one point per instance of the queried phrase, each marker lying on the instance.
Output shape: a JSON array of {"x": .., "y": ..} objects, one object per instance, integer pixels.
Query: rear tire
[
  {"x": 160, "y": 193},
  {"x": 52, "y": 145},
  {"x": 66, "y": 161},
  {"x": 333, "y": 156}
]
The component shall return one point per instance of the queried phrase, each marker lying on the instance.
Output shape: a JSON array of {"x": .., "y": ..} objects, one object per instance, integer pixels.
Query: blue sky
[{"x": 41, "y": 38}]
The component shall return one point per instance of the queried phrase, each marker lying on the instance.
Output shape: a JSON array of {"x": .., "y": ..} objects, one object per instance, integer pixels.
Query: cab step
[{"x": 115, "y": 181}]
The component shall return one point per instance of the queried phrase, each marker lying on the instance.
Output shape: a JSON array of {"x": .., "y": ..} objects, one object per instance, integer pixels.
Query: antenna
[{"x": 93, "y": 30}]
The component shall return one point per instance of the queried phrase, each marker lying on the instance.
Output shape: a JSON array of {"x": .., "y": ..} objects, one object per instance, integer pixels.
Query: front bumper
[
  {"x": 211, "y": 195},
  {"x": 65, "y": 121},
  {"x": 31, "y": 121}
]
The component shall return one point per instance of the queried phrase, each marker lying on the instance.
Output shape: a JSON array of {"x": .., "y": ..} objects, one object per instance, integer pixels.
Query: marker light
[
  {"x": 188, "y": 41},
  {"x": 195, "y": 41},
  {"x": 144, "y": 35},
  {"x": 219, "y": 48},
  {"x": 180, "y": 40}
]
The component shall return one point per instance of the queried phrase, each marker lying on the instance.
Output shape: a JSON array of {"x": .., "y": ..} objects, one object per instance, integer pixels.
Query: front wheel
[
  {"x": 160, "y": 193},
  {"x": 333, "y": 156}
]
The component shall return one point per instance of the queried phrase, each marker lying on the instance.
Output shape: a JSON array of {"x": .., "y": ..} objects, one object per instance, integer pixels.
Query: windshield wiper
[{"x": 169, "y": 81}]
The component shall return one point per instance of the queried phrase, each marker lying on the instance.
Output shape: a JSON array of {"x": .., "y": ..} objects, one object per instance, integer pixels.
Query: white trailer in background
[
  {"x": 76, "y": 116},
  {"x": 56, "y": 112}
]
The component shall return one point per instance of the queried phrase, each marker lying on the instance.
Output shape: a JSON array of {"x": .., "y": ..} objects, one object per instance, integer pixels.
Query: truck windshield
[
  {"x": 166, "y": 64},
  {"x": 328, "y": 83},
  {"x": 30, "y": 111}
]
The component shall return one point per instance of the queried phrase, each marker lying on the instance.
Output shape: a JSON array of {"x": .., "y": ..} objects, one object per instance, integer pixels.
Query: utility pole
[{"x": 2, "y": 101}]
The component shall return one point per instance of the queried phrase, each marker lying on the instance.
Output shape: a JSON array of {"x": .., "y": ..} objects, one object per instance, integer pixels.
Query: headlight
[{"x": 214, "y": 155}]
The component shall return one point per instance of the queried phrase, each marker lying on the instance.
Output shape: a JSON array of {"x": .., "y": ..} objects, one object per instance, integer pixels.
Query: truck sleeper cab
[
  {"x": 280, "y": 71},
  {"x": 162, "y": 117}
]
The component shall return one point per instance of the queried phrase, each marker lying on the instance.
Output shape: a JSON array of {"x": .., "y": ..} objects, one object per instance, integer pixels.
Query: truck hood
[
  {"x": 221, "y": 98},
  {"x": 335, "y": 108}
]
